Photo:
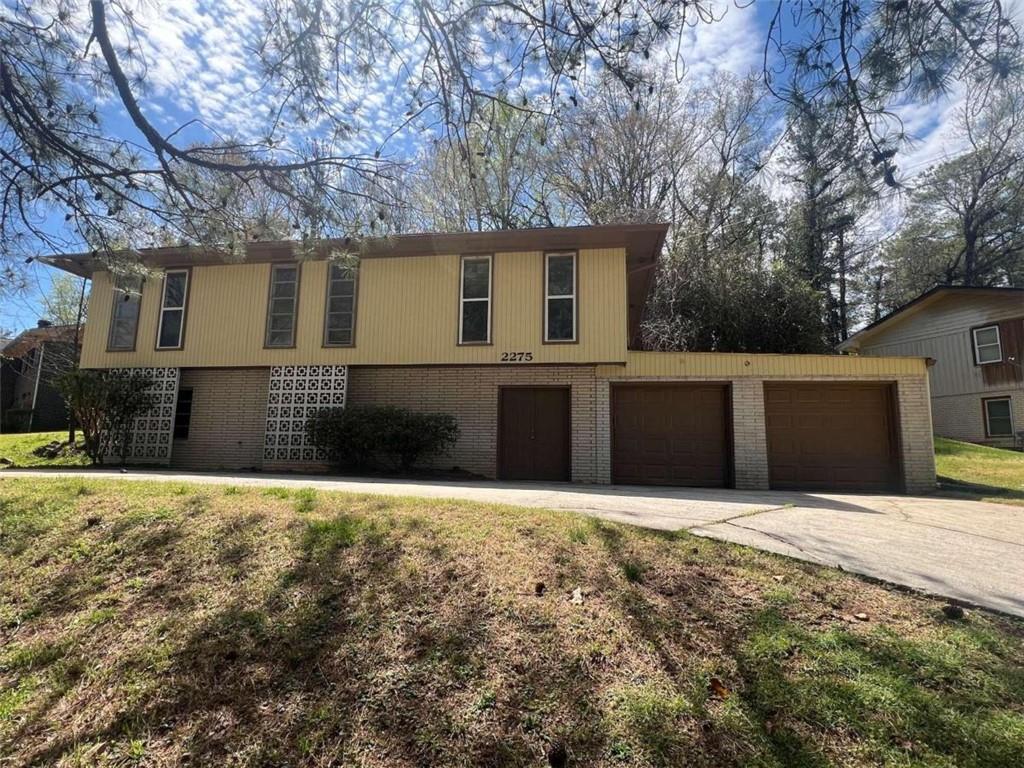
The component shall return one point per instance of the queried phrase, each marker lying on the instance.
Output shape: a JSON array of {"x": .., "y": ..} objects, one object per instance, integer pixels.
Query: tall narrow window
[
  {"x": 124, "y": 316},
  {"x": 284, "y": 299},
  {"x": 172, "y": 310},
  {"x": 475, "y": 300},
  {"x": 987, "y": 348},
  {"x": 560, "y": 297},
  {"x": 340, "y": 320},
  {"x": 183, "y": 414},
  {"x": 998, "y": 417}
]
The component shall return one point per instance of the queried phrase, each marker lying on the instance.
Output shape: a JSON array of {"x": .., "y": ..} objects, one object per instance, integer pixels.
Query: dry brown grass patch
[{"x": 202, "y": 626}]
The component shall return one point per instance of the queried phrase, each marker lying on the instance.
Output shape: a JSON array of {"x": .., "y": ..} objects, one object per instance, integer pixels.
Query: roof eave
[
  {"x": 915, "y": 305},
  {"x": 627, "y": 236}
]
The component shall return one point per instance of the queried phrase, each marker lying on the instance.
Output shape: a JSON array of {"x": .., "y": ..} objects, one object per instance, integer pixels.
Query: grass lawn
[
  {"x": 18, "y": 449},
  {"x": 158, "y": 624},
  {"x": 994, "y": 474}
]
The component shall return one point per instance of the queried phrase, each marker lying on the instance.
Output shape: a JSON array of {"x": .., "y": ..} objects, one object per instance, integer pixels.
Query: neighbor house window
[
  {"x": 171, "y": 331},
  {"x": 475, "y": 300},
  {"x": 340, "y": 320},
  {"x": 124, "y": 316},
  {"x": 183, "y": 414},
  {"x": 560, "y": 297},
  {"x": 987, "y": 348},
  {"x": 284, "y": 299},
  {"x": 998, "y": 417}
]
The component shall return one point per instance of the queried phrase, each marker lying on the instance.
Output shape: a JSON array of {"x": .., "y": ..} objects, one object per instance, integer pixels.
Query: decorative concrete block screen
[
  {"x": 152, "y": 432},
  {"x": 296, "y": 393}
]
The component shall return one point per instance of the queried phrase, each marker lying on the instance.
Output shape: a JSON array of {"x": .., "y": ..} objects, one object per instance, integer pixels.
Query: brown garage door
[
  {"x": 670, "y": 434},
  {"x": 534, "y": 430},
  {"x": 831, "y": 435}
]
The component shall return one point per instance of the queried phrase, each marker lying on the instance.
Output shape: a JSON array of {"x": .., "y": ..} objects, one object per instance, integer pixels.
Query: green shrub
[
  {"x": 395, "y": 438},
  {"x": 405, "y": 436},
  {"x": 105, "y": 405},
  {"x": 345, "y": 434}
]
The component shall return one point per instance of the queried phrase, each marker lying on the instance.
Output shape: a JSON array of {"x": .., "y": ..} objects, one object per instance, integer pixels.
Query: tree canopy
[{"x": 529, "y": 113}]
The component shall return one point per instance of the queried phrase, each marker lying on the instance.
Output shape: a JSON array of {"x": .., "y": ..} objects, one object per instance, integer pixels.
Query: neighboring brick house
[
  {"x": 529, "y": 338},
  {"x": 29, "y": 363},
  {"x": 975, "y": 338}
]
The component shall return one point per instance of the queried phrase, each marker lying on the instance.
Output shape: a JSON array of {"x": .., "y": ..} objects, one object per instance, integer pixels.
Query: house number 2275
[{"x": 516, "y": 357}]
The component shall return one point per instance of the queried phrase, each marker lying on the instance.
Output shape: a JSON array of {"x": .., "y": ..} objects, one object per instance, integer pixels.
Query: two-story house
[
  {"x": 975, "y": 336},
  {"x": 528, "y": 337}
]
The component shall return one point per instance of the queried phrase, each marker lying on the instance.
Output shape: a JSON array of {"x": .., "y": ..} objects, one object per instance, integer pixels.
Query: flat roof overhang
[{"x": 642, "y": 243}]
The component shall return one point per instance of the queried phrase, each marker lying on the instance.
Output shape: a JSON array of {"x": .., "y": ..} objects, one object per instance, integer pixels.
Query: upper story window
[
  {"x": 475, "y": 300},
  {"x": 283, "y": 303},
  {"x": 560, "y": 297},
  {"x": 124, "y": 316},
  {"x": 987, "y": 348},
  {"x": 340, "y": 319},
  {"x": 171, "y": 331}
]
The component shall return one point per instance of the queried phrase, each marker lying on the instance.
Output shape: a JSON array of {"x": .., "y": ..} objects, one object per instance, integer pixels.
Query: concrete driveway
[{"x": 971, "y": 551}]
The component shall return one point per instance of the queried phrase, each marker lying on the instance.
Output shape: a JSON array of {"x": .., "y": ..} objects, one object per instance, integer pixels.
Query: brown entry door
[
  {"x": 831, "y": 436},
  {"x": 534, "y": 434},
  {"x": 671, "y": 434}
]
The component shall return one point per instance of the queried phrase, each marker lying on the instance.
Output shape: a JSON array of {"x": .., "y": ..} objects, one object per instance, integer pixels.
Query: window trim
[
  {"x": 575, "y": 297},
  {"x": 295, "y": 309},
  {"x": 327, "y": 304},
  {"x": 998, "y": 343},
  {"x": 489, "y": 258},
  {"x": 184, "y": 308},
  {"x": 985, "y": 417},
  {"x": 117, "y": 294}
]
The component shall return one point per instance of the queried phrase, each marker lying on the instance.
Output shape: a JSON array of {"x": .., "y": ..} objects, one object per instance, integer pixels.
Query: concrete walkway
[{"x": 970, "y": 551}]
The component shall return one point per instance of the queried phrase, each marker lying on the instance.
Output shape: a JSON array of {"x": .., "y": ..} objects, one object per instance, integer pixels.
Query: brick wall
[
  {"x": 749, "y": 438},
  {"x": 229, "y": 417},
  {"x": 471, "y": 395},
  {"x": 961, "y": 416},
  {"x": 603, "y": 438},
  {"x": 917, "y": 445}
]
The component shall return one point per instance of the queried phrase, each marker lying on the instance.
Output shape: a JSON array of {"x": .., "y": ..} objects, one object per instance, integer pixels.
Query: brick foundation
[
  {"x": 230, "y": 407},
  {"x": 749, "y": 438},
  {"x": 229, "y": 417},
  {"x": 471, "y": 395},
  {"x": 961, "y": 417}
]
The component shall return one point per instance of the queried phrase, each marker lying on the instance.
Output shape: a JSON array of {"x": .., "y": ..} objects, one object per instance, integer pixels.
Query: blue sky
[{"x": 197, "y": 64}]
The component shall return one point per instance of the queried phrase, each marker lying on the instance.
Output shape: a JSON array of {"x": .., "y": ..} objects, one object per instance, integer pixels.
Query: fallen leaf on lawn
[{"x": 718, "y": 688}]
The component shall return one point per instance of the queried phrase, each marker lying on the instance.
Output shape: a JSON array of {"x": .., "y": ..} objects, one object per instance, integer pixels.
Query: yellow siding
[
  {"x": 407, "y": 313},
  {"x": 728, "y": 366}
]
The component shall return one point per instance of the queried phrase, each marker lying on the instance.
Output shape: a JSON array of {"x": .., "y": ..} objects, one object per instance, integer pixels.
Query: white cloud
[
  {"x": 932, "y": 129},
  {"x": 733, "y": 42}
]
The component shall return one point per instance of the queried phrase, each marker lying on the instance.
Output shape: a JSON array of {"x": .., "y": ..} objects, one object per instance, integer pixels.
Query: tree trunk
[
  {"x": 970, "y": 257},
  {"x": 844, "y": 322},
  {"x": 876, "y": 312}
]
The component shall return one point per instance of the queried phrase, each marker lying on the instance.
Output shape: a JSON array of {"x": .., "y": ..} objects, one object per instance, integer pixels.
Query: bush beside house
[
  {"x": 364, "y": 437},
  {"x": 105, "y": 405}
]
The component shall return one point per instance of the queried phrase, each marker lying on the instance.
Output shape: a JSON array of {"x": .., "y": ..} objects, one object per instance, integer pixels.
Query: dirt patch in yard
[{"x": 156, "y": 624}]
